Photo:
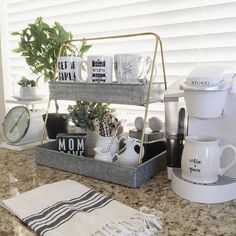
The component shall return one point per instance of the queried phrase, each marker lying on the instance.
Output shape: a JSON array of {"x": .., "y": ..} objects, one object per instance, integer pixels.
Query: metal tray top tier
[{"x": 130, "y": 94}]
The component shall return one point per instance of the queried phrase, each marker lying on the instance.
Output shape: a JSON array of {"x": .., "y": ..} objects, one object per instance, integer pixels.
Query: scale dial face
[{"x": 16, "y": 124}]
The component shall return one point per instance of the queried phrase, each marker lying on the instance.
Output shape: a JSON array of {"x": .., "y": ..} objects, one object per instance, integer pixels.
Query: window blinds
[{"x": 193, "y": 32}]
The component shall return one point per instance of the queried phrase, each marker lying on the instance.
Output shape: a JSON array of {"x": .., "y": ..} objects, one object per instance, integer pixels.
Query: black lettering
[
  {"x": 191, "y": 169},
  {"x": 195, "y": 161},
  {"x": 62, "y": 65},
  {"x": 98, "y": 63},
  {"x": 72, "y": 65},
  {"x": 67, "y": 76},
  {"x": 99, "y": 75},
  {"x": 200, "y": 82}
]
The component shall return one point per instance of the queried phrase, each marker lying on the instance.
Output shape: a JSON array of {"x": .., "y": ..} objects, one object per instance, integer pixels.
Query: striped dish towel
[{"x": 68, "y": 208}]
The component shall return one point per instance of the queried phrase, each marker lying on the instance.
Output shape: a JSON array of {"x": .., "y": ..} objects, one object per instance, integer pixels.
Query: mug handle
[
  {"x": 221, "y": 149},
  {"x": 79, "y": 69},
  {"x": 123, "y": 137},
  {"x": 143, "y": 151},
  {"x": 117, "y": 156},
  {"x": 147, "y": 62}
]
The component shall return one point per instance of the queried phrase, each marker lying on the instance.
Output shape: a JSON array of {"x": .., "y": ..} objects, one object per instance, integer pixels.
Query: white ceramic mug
[
  {"x": 99, "y": 69},
  {"x": 129, "y": 155},
  {"x": 132, "y": 68},
  {"x": 200, "y": 161},
  {"x": 67, "y": 68}
]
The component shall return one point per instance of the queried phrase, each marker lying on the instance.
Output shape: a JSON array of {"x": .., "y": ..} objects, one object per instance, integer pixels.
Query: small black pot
[{"x": 56, "y": 123}]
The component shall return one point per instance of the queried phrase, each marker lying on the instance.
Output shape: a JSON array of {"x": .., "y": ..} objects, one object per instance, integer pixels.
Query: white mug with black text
[
  {"x": 99, "y": 69},
  {"x": 200, "y": 161},
  {"x": 67, "y": 68}
]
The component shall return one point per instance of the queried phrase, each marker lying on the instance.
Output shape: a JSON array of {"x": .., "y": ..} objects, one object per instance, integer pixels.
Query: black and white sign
[{"x": 72, "y": 143}]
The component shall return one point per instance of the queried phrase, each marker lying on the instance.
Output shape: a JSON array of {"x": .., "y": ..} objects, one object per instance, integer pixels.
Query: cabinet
[{"x": 130, "y": 94}]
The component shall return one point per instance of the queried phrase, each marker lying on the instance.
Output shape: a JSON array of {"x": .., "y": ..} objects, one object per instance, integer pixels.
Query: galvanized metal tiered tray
[
  {"x": 130, "y": 94},
  {"x": 134, "y": 177}
]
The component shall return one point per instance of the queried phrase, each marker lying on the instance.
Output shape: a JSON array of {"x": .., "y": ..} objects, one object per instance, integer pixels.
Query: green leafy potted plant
[
  {"x": 39, "y": 45},
  {"x": 27, "y": 87},
  {"x": 82, "y": 115}
]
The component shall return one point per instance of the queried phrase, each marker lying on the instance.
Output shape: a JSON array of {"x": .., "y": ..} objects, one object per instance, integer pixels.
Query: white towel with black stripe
[{"x": 69, "y": 208}]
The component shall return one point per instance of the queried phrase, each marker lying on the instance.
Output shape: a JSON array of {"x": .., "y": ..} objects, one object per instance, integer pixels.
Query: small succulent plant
[{"x": 24, "y": 82}]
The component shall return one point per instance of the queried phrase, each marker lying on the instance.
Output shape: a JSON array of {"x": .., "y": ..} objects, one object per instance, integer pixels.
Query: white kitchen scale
[
  {"x": 22, "y": 128},
  {"x": 222, "y": 191}
]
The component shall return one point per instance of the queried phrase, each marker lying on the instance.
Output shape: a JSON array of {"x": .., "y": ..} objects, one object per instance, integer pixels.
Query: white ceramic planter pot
[
  {"x": 28, "y": 92},
  {"x": 205, "y": 104},
  {"x": 107, "y": 144}
]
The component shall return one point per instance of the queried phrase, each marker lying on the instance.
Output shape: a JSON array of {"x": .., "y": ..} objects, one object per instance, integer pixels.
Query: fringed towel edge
[{"x": 140, "y": 224}]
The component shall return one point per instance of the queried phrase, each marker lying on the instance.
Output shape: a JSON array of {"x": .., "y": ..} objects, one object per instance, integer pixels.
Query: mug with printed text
[
  {"x": 200, "y": 161},
  {"x": 67, "y": 68},
  {"x": 99, "y": 69}
]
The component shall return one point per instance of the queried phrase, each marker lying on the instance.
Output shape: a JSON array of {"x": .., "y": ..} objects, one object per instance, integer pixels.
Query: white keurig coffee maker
[{"x": 200, "y": 116}]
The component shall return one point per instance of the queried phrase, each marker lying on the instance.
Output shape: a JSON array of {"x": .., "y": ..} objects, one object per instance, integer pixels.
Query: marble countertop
[{"x": 19, "y": 173}]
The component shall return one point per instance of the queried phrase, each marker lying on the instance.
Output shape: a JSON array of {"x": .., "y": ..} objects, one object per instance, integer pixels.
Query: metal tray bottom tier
[{"x": 134, "y": 177}]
